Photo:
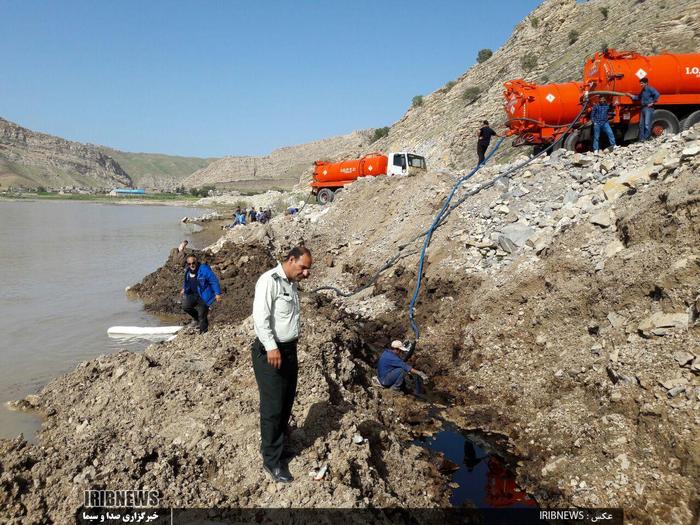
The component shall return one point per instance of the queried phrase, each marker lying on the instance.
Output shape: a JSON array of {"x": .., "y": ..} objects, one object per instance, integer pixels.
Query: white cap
[{"x": 399, "y": 345}]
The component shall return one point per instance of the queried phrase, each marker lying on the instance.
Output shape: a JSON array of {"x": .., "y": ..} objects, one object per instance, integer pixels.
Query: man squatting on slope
[
  {"x": 392, "y": 369},
  {"x": 276, "y": 317},
  {"x": 200, "y": 289}
]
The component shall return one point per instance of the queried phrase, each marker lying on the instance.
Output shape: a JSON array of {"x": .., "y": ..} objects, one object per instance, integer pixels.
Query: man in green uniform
[{"x": 276, "y": 316}]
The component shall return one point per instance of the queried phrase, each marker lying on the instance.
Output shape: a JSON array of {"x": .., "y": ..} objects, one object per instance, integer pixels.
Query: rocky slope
[
  {"x": 155, "y": 170},
  {"x": 444, "y": 127},
  {"x": 282, "y": 168},
  {"x": 560, "y": 309},
  {"x": 31, "y": 159}
]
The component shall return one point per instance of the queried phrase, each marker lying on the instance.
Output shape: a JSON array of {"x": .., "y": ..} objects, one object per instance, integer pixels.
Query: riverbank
[
  {"x": 559, "y": 310},
  {"x": 167, "y": 199}
]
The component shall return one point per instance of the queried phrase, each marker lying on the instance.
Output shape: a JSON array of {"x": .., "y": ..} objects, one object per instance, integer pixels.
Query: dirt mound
[
  {"x": 237, "y": 267},
  {"x": 559, "y": 309},
  {"x": 182, "y": 418}
]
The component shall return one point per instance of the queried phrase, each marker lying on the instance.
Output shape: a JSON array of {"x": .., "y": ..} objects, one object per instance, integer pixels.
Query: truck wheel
[
  {"x": 690, "y": 121},
  {"x": 336, "y": 192},
  {"x": 573, "y": 142},
  {"x": 664, "y": 122},
  {"x": 324, "y": 196}
]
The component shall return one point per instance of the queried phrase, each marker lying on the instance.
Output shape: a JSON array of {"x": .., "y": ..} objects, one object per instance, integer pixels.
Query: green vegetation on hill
[{"x": 155, "y": 169}]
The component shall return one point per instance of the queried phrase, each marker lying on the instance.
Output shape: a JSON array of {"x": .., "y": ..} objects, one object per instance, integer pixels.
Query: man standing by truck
[
  {"x": 647, "y": 98},
  {"x": 599, "y": 116},
  {"x": 483, "y": 140},
  {"x": 276, "y": 318}
]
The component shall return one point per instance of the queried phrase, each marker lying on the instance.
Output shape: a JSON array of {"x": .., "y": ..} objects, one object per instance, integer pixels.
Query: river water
[{"x": 66, "y": 265}]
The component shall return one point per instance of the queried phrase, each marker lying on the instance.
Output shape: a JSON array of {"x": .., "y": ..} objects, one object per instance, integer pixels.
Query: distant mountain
[
  {"x": 154, "y": 170},
  {"x": 32, "y": 159},
  {"x": 282, "y": 168}
]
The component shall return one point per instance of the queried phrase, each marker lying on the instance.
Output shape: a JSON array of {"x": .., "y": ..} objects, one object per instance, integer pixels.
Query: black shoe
[
  {"x": 288, "y": 452},
  {"x": 279, "y": 474}
]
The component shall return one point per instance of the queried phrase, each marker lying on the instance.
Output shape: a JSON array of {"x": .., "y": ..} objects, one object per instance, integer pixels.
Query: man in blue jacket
[
  {"x": 647, "y": 98},
  {"x": 199, "y": 291},
  {"x": 392, "y": 369}
]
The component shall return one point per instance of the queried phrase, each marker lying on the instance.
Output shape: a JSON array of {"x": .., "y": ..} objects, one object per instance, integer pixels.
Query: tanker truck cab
[
  {"x": 402, "y": 161},
  {"x": 331, "y": 177}
]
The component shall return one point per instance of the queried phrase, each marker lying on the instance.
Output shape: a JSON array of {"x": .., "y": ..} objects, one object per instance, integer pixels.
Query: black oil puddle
[{"x": 481, "y": 474}]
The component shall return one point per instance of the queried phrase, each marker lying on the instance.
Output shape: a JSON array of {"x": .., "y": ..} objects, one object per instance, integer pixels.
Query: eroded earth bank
[{"x": 559, "y": 309}]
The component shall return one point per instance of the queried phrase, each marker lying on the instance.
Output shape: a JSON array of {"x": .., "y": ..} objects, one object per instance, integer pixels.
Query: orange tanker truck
[
  {"x": 331, "y": 177},
  {"x": 540, "y": 114}
]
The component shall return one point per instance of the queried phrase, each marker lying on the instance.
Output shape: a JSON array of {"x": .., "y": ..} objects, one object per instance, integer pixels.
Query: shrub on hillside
[
  {"x": 449, "y": 86},
  {"x": 471, "y": 94},
  {"x": 528, "y": 61},
  {"x": 603, "y": 11},
  {"x": 201, "y": 192},
  {"x": 417, "y": 101},
  {"x": 534, "y": 21},
  {"x": 573, "y": 36},
  {"x": 379, "y": 133},
  {"x": 484, "y": 55}
]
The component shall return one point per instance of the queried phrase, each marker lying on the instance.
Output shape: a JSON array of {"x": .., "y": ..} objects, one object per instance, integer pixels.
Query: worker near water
[
  {"x": 276, "y": 318},
  {"x": 200, "y": 289},
  {"x": 392, "y": 369},
  {"x": 484, "y": 139},
  {"x": 600, "y": 114},
  {"x": 647, "y": 98}
]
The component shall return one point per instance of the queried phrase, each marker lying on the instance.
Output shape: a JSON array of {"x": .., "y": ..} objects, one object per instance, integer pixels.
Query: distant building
[{"x": 127, "y": 191}]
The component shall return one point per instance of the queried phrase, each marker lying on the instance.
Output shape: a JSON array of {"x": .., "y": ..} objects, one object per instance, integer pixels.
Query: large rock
[
  {"x": 662, "y": 323},
  {"x": 516, "y": 234}
]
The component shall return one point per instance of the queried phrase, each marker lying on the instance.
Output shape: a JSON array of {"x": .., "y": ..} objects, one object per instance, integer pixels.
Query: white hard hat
[{"x": 399, "y": 345}]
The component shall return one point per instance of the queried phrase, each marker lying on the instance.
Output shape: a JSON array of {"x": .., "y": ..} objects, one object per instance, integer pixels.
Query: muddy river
[{"x": 66, "y": 265}]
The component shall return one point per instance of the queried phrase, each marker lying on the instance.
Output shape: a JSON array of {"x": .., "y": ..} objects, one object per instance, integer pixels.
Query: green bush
[
  {"x": 471, "y": 94},
  {"x": 379, "y": 133},
  {"x": 573, "y": 36},
  {"x": 603, "y": 11},
  {"x": 201, "y": 192},
  {"x": 529, "y": 61},
  {"x": 40, "y": 189},
  {"x": 484, "y": 55},
  {"x": 534, "y": 21},
  {"x": 449, "y": 86},
  {"x": 417, "y": 101}
]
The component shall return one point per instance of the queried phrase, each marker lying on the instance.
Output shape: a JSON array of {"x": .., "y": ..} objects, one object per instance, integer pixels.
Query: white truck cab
[{"x": 399, "y": 162}]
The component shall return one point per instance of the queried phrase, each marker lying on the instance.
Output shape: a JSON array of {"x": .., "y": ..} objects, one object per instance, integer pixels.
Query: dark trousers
[
  {"x": 277, "y": 388},
  {"x": 194, "y": 305},
  {"x": 481, "y": 151}
]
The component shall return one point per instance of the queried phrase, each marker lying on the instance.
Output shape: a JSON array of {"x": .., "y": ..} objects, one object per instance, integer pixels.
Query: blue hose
[
  {"x": 447, "y": 209},
  {"x": 429, "y": 234}
]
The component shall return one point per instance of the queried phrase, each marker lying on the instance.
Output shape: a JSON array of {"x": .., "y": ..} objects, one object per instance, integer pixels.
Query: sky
[{"x": 213, "y": 78}]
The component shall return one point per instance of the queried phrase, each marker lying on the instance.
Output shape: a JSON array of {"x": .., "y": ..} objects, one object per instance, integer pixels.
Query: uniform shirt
[
  {"x": 389, "y": 361},
  {"x": 276, "y": 308}
]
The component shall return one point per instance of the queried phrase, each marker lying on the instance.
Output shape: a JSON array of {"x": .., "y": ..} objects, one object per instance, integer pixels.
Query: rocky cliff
[
  {"x": 31, "y": 159},
  {"x": 550, "y": 45},
  {"x": 280, "y": 169}
]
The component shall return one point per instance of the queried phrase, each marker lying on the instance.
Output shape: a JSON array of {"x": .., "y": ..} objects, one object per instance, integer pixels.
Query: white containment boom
[{"x": 143, "y": 330}]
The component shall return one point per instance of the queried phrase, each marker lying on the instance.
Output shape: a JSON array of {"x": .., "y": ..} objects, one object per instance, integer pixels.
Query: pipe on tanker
[
  {"x": 538, "y": 122},
  {"x": 611, "y": 93}
]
